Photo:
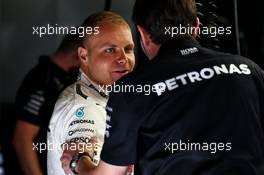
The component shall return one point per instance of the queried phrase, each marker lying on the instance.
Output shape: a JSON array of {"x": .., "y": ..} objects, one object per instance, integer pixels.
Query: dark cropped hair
[
  {"x": 155, "y": 15},
  {"x": 69, "y": 43}
]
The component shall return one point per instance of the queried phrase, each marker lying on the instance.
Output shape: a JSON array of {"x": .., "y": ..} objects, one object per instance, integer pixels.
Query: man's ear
[
  {"x": 197, "y": 25},
  {"x": 145, "y": 37},
  {"x": 149, "y": 47},
  {"x": 83, "y": 55}
]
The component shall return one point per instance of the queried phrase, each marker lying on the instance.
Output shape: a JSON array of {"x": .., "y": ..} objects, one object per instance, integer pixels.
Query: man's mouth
[{"x": 121, "y": 71}]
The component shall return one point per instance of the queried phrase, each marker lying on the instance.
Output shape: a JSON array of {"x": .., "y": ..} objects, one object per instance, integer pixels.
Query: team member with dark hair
[
  {"x": 36, "y": 99},
  {"x": 205, "y": 113}
]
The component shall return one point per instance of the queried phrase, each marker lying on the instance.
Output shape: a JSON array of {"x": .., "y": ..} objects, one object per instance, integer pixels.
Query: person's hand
[
  {"x": 85, "y": 163},
  {"x": 66, "y": 158}
]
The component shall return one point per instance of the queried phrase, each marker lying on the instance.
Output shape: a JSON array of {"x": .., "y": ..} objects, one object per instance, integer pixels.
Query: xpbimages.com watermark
[
  {"x": 80, "y": 147},
  {"x": 212, "y": 31},
  {"x": 146, "y": 89},
  {"x": 212, "y": 147},
  {"x": 41, "y": 31}
]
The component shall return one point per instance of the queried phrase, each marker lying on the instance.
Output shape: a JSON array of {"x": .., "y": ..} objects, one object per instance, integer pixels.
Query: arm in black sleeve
[
  {"x": 31, "y": 101},
  {"x": 120, "y": 145}
]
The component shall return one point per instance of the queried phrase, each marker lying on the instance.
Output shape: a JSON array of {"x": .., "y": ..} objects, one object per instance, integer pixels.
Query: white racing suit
[{"x": 79, "y": 114}]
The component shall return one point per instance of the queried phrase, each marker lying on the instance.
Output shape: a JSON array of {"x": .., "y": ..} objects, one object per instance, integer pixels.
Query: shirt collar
[
  {"x": 89, "y": 83},
  {"x": 176, "y": 46}
]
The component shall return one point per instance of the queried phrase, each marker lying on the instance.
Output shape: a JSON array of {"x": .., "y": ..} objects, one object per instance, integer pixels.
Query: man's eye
[
  {"x": 129, "y": 50},
  {"x": 109, "y": 50}
]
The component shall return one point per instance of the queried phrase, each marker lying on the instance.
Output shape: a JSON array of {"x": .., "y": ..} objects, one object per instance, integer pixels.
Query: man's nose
[{"x": 122, "y": 59}]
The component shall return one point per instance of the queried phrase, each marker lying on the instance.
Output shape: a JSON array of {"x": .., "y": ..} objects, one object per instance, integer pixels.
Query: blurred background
[{"x": 20, "y": 49}]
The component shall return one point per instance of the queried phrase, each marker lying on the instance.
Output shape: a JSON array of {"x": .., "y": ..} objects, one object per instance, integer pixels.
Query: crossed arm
[
  {"x": 106, "y": 169},
  {"x": 86, "y": 167}
]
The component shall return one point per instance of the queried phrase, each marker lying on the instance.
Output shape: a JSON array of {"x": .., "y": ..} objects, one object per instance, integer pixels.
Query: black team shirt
[
  {"x": 36, "y": 99},
  {"x": 203, "y": 116}
]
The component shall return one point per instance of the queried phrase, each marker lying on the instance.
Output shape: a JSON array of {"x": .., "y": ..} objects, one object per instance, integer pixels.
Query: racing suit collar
[{"x": 93, "y": 85}]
